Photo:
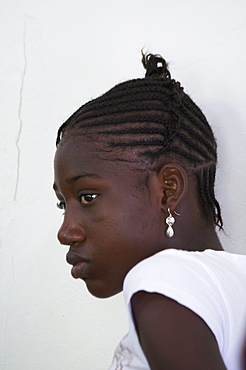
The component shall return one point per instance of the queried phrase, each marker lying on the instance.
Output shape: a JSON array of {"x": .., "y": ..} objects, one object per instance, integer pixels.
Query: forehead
[{"x": 76, "y": 156}]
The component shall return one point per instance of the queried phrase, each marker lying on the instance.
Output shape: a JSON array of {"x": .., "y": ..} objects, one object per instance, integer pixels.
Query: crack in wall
[{"x": 17, "y": 142}]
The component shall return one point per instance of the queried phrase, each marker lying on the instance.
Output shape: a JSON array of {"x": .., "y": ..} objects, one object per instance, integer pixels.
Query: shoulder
[
  {"x": 181, "y": 263},
  {"x": 184, "y": 272}
]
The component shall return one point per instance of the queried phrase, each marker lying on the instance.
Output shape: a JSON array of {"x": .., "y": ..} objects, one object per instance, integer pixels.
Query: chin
[{"x": 99, "y": 290}]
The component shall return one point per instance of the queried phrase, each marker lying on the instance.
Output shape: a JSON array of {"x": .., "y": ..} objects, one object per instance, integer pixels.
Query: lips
[
  {"x": 80, "y": 265},
  {"x": 79, "y": 270}
]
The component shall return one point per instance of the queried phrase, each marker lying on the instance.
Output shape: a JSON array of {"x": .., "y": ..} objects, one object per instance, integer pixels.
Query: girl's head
[
  {"x": 148, "y": 120},
  {"x": 122, "y": 160}
]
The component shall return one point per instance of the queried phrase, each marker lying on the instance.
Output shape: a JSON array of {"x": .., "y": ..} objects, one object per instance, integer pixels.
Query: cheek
[{"x": 128, "y": 223}]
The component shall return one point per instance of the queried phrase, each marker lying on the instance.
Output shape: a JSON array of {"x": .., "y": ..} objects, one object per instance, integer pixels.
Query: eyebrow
[{"x": 75, "y": 178}]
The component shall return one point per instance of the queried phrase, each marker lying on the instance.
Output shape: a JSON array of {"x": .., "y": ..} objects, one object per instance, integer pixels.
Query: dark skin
[
  {"x": 244, "y": 354},
  {"x": 112, "y": 222},
  {"x": 172, "y": 335}
]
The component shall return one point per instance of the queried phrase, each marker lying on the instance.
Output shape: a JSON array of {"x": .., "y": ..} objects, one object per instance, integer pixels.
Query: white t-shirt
[{"x": 210, "y": 283}]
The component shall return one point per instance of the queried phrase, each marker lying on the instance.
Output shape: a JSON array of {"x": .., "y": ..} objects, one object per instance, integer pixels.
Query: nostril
[
  {"x": 69, "y": 234},
  {"x": 62, "y": 239},
  {"x": 61, "y": 236}
]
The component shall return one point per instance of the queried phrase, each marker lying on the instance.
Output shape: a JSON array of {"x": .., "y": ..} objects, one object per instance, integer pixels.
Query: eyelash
[{"x": 62, "y": 205}]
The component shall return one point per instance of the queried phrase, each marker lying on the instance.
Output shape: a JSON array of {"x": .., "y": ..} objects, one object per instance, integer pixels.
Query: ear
[{"x": 174, "y": 182}]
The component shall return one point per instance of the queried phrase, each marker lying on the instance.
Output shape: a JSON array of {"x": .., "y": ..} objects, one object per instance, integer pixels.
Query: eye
[
  {"x": 61, "y": 205},
  {"x": 87, "y": 198}
]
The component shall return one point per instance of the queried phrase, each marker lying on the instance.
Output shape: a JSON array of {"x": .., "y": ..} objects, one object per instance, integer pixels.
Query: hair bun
[{"x": 155, "y": 66}]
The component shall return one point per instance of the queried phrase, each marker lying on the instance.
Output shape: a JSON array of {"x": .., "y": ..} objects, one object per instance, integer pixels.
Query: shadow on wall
[{"x": 229, "y": 129}]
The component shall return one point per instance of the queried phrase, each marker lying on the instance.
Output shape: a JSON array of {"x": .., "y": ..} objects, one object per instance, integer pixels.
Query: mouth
[{"x": 80, "y": 265}]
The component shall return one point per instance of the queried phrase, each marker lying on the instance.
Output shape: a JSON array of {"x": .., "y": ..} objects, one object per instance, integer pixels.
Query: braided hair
[{"x": 156, "y": 118}]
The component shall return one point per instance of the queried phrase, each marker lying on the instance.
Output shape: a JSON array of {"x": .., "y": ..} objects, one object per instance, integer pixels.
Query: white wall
[{"x": 56, "y": 55}]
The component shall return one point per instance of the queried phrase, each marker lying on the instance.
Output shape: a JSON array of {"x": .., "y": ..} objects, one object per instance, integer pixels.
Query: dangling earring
[{"x": 170, "y": 220}]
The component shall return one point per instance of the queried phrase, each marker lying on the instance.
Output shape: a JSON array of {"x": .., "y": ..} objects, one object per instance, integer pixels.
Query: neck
[{"x": 196, "y": 237}]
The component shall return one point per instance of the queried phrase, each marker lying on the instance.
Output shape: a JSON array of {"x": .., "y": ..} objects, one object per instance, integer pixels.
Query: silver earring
[{"x": 170, "y": 221}]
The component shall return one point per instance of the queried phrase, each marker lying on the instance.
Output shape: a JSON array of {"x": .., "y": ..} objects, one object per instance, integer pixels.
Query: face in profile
[{"x": 112, "y": 219}]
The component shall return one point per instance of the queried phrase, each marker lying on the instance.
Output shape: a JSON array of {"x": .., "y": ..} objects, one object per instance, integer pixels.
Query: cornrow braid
[{"x": 157, "y": 118}]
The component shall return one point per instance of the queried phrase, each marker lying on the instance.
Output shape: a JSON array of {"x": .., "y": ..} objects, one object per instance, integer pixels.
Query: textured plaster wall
[{"x": 56, "y": 55}]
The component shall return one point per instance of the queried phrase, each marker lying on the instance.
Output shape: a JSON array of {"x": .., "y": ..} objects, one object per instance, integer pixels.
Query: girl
[{"x": 134, "y": 173}]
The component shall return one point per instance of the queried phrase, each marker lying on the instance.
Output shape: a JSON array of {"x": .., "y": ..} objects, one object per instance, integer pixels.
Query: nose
[{"x": 70, "y": 231}]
